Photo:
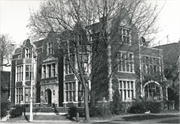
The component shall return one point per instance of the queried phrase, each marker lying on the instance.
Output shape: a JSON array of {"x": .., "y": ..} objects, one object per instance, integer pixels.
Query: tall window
[
  {"x": 27, "y": 94},
  {"x": 84, "y": 62},
  {"x": 50, "y": 48},
  {"x": 125, "y": 62},
  {"x": 20, "y": 73},
  {"x": 124, "y": 35},
  {"x": 151, "y": 65},
  {"x": 80, "y": 92},
  {"x": 27, "y": 53},
  {"x": 127, "y": 89},
  {"x": 70, "y": 63},
  {"x": 19, "y": 95},
  {"x": 29, "y": 72},
  {"x": 49, "y": 70},
  {"x": 53, "y": 70},
  {"x": 43, "y": 71},
  {"x": 152, "y": 91},
  {"x": 70, "y": 91}
]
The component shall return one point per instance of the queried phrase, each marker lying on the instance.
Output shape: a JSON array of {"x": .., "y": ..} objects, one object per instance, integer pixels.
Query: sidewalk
[{"x": 127, "y": 119}]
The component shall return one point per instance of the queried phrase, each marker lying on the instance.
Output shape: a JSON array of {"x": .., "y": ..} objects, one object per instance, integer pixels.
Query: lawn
[
  {"x": 177, "y": 121},
  {"x": 39, "y": 117},
  {"x": 143, "y": 117}
]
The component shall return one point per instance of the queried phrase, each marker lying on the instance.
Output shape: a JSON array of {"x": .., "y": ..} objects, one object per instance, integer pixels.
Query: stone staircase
[{"x": 47, "y": 110}]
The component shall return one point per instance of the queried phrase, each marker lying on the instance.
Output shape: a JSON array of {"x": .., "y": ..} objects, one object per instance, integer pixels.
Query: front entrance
[
  {"x": 152, "y": 91},
  {"x": 48, "y": 96}
]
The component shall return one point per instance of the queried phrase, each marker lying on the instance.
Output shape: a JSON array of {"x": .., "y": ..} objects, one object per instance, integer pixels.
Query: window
[
  {"x": 53, "y": 71},
  {"x": 20, "y": 73},
  {"x": 151, "y": 65},
  {"x": 126, "y": 89},
  {"x": 152, "y": 91},
  {"x": 43, "y": 71},
  {"x": 84, "y": 62},
  {"x": 124, "y": 36},
  {"x": 125, "y": 62},
  {"x": 80, "y": 92},
  {"x": 27, "y": 94},
  {"x": 70, "y": 60},
  {"x": 50, "y": 48},
  {"x": 29, "y": 72},
  {"x": 48, "y": 70},
  {"x": 27, "y": 53},
  {"x": 19, "y": 95},
  {"x": 70, "y": 91}
]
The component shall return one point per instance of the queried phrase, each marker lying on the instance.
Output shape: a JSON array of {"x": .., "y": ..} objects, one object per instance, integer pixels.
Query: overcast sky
[{"x": 14, "y": 15}]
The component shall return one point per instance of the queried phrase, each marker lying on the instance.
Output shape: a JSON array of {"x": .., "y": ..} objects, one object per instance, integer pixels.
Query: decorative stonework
[{"x": 51, "y": 58}]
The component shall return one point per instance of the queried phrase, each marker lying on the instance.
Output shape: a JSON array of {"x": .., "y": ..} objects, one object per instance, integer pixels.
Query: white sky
[{"x": 14, "y": 15}]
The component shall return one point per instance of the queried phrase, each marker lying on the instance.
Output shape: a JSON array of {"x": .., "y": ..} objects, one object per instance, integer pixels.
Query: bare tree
[
  {"x": 96, "y": 22},
  {"x": 5, "y": 50}
]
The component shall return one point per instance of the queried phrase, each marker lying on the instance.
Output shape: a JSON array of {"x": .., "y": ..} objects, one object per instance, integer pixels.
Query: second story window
[
  {"x": 29, "y": 72},
  {"x": 151, "y": 65},
  {"x": 84, "y": 62},
  {"x": 125, "y": 62},
  {"x": 48, "y": 70},
  {"x": 20, "y": 73},
  {"x": 50, "y": 48},
  {"x": 27, "y": 53},
  {"x": 69, "y": 64}
]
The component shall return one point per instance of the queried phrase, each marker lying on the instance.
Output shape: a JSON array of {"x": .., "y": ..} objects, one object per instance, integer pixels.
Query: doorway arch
[
  {"x": 152, "y": 90},
  {"x": 48, "y": 96}
]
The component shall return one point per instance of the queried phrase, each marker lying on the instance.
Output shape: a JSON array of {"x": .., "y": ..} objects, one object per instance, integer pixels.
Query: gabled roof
[
  {"x": 39, "y": 43},
  {"x": 171, "y": 52},
  {"x": 18, "y": 50}
]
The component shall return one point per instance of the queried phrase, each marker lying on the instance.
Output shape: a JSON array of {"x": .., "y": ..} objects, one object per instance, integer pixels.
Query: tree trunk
[
  {"x": 92, "y": 102},
  {"x": 87, "y": 117}
]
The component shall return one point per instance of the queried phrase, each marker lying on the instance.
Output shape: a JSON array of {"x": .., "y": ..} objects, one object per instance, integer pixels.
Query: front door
[{"x": 48, "y": 96}]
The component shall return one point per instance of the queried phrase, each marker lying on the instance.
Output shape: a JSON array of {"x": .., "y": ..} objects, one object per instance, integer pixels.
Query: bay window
[
  {"x": 19, "y": 73},
  {"x": 48, "y": 70},
  {"x": 19, "y": 95},
  {"x": 29, "y": 72}
]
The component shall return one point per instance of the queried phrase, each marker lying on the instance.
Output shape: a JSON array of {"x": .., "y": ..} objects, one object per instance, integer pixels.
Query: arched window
[{"x": 152, "y": 91}]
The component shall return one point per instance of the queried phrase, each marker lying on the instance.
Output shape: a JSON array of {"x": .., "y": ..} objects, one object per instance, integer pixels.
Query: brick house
[{"x": 125, "y": 64}]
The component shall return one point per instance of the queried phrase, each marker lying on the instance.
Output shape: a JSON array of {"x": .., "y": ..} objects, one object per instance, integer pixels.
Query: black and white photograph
[{"x": 90, "y": 61}]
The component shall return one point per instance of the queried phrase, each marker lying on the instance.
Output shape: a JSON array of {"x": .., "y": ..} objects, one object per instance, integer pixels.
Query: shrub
[
  {"x": 16, "y": 111},
  {"x": 102, "y": 110},
  {"x": 141, "y": 107},
  {"x": 72, "y": 110},
  {"x": 5, "y": 106},
  {"x": 116, "y": 105}
]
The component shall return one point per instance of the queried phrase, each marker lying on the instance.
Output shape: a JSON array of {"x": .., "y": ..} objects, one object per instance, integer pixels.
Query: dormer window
[
  {"x": 27, "y": 53},
  {"x": 50, "y": 48}
]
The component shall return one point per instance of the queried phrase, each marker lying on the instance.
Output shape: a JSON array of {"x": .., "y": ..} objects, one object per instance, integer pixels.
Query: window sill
[
  {"x": 48, "y": 78},
  {"x": 126, "y": 72}
]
